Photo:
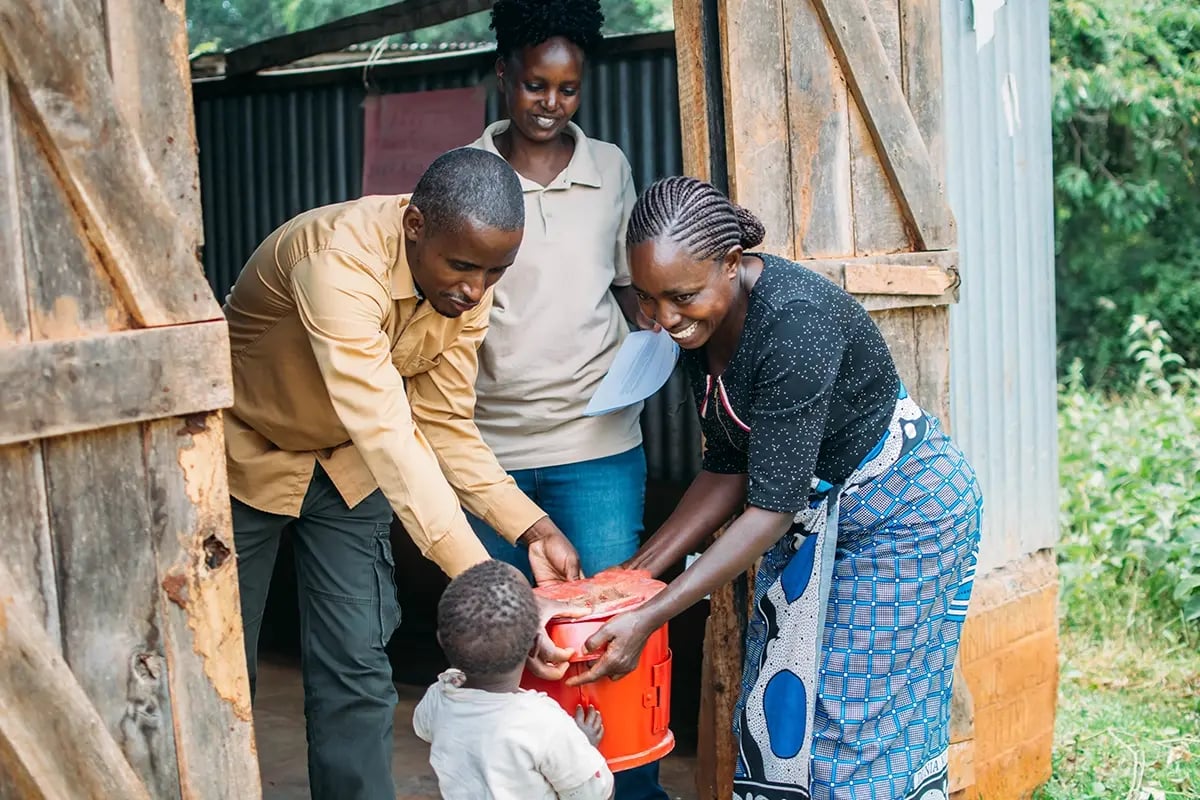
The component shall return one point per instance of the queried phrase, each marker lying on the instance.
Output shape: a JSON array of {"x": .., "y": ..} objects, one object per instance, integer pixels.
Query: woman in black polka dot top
[{"x": 864, "y": 515}]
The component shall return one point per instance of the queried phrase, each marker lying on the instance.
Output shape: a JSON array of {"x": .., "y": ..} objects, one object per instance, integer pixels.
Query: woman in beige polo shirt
[{"x": 560, "y": 313}]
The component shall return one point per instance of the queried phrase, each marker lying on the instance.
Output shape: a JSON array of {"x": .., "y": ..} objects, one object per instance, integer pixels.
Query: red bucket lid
[{"x": 605, "y": 593}]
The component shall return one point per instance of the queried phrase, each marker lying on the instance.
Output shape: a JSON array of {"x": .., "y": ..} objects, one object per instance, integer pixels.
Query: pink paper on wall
[{"x": 404, "y": 133}]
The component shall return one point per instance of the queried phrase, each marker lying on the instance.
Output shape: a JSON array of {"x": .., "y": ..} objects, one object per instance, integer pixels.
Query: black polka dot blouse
[{"x": 809, "y": 391}]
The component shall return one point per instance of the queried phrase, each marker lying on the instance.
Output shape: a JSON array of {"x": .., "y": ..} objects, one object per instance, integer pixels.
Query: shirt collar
[
  {"x": 581, "y": 169},
  {"x": 403, "y": 286}
]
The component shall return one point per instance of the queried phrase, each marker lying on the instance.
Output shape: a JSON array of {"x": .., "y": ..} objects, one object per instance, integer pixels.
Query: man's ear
[{"x": 413, "y": 223}]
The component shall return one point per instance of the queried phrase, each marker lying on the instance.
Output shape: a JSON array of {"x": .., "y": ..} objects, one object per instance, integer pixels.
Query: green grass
[{"x": 1128, "y": 723}]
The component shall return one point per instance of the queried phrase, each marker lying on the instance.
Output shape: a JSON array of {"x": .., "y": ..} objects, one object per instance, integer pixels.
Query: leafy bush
[
  {"x": 1130, "y": 493},
  {"x": 1126, "y": 132}
]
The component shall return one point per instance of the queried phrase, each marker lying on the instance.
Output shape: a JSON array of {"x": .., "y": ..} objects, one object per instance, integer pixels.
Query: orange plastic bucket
[{"x": 637, "y": 708}]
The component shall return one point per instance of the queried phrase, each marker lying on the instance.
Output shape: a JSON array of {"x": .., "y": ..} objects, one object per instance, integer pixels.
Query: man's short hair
[
  {"x": 470, "y": 184},
  {"x": 487, "y": 619}
]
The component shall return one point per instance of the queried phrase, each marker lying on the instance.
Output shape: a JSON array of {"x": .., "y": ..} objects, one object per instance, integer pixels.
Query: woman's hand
[{"x": 625, "y": 635}]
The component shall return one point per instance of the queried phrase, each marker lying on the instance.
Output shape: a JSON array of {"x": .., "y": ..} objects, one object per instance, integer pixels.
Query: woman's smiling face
[{"x": 689, "y": 298}]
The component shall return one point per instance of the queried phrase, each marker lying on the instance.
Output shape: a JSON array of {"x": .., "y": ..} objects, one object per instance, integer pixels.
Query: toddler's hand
[{"x": 590, "y": 723}]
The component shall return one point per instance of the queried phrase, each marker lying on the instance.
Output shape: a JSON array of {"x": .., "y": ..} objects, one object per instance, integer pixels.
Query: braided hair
[
  {"x": 528, "y": 23},
  {"x": 487, "y": 619},
  {"x": 696, "y": 216}
]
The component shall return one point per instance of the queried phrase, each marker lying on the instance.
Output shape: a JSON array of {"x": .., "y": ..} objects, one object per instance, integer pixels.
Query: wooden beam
[
  {"x": 59, "y": 387},
  {"x": 125, "y": 217},
  {"x": 898, "y": 279},
  {"x": 880, "y": 96},
  {"x": 701, "y": 100},
  {"x": 53, "y": 743},
  {"x": 409, "y": 15}
]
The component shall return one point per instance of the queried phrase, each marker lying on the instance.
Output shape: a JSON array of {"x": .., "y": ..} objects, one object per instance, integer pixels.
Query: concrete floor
[{"x": 279, "y": 729}]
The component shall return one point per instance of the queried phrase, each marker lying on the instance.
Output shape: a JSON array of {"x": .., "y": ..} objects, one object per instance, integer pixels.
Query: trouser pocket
[{"x": 385, "y": 584}]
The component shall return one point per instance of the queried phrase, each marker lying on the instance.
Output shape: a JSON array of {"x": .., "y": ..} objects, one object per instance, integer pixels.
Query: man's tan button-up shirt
[{"x": 337, "y": 360}]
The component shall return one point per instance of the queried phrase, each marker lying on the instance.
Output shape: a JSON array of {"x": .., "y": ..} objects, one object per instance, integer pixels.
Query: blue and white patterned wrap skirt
[{"x": 857, "y": 615}]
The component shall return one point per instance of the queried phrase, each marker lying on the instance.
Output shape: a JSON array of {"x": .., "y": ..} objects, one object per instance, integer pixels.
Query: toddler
[{"x": 492, "y": 740}]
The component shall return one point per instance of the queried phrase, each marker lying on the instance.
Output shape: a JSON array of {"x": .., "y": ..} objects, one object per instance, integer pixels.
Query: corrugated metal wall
[
  {"x": 1003, "y": 397},
  {"x": 272, "y": 146}
]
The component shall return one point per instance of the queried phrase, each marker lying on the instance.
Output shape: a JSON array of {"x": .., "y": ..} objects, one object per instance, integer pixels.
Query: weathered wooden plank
[
  {"x": 898, "y": 279},
  {"x": 819, "y": 138},
  {"x": 879, "y": 224},
  {"x": 14, "y": 300},
  {"x": 69, "y": 293},
  {"x": 53, "y": 745},
  {"x": 878, "y": 93},
  {"x": 919, "y": 340},
  {"x": 721, "y": 680},
  {"x": 198, "y": 599},
  {"x": 148, "y": 59},
  {"x": 756, "y": 116},
  {"x": 701, "y": 101},
  {"x": 27, "y": 545},
  {"x": 129, "y": 221},
  {"x": 835, "y": 268},
  {"x": 52, "y": 388},
  {"x": 921, "y": 74},
  {"x": 23, "y": 510},
  {"x": 108, "y": 593},
  {"x": 409, "y": 15}
]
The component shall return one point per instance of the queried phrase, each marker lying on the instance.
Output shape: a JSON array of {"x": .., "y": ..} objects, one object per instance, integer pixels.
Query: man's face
[{"x": 454, "y": 268}]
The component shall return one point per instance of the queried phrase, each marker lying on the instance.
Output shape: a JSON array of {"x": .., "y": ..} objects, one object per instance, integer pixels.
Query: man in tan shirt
[{"x": 354, "y": 331}]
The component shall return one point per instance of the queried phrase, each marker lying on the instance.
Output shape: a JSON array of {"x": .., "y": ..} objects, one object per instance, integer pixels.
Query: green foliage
[
  {"x": 229, "y": 24},
  {"x": 1130, "y": 494},
  {"x": 1128, "y": 723},
  {"x": 1126, "y": 122}
]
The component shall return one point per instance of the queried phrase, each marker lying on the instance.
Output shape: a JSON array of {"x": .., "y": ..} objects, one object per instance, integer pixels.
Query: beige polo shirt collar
[{"x": 581, "y": 169}]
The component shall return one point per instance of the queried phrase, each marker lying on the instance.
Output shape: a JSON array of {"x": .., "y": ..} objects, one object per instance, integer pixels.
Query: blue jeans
[{"x": 598, "y": 504}]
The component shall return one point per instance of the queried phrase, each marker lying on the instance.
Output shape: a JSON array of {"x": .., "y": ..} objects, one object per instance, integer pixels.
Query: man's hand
[
  {"x": 552, "y": 558},
  {"x": 548, "y": 661}
]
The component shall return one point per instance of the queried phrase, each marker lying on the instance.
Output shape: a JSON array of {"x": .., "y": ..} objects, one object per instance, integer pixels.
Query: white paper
[
  {"x": 983, "y": 14},
  {"x": 643, "y": 364}
]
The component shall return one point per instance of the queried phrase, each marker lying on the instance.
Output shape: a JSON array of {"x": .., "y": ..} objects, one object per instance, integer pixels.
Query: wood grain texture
[
  {"x": 14, "y": 297},
  {"x": 53, "y": 744},
  {"x": 927, "y": 280},
  {"x": 886, "y": 115},
  {"x": 919, "y": 340},
  {"x": 23, "y": 510},
  {"x": 921, "y": 74},
  {"x": 152, "y": 88},
  {"x": 819, "y": 138},
  {"x": 701, "y": 114},
  {"x": 879, "y": 223},
  {"x": 409, "y": 15},
  {"x": 754, "y": 60},
  {"x": 198, "y": 602},
  {"x": 112, "y": 185},
  {"x": 107, "y": 578},
  {"x": 721, "y": 681},
  {"x": 58, "y": 387},
  {"x": 69, "y": 292}
]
